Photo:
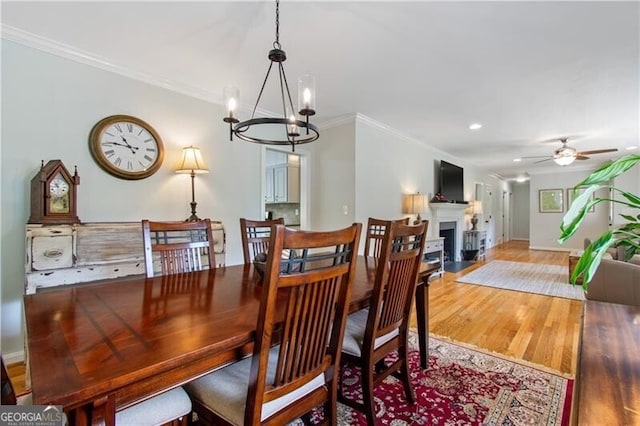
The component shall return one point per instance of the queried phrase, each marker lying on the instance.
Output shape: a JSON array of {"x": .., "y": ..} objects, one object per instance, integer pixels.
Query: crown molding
[
  {"x": 390, "y": 130},
  {"x": 337, "y": 121},
  {"x": 44, "y": 44}
]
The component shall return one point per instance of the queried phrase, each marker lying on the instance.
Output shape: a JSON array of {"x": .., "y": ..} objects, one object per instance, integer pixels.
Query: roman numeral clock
[{"x": 126, "y": 147}]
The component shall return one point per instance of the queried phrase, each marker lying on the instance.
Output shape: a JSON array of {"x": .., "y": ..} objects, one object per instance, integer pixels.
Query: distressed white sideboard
[{"x": 70, "y": 254}]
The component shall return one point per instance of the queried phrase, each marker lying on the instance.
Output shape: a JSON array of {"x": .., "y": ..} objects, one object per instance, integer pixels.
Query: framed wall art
[
  {"x": 551, "y": 200},
  {"x": 579, "y": 191}
]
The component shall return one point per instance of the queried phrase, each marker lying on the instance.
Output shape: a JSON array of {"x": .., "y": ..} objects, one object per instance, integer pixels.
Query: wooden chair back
[
  {"x": 384, "y": 326},
  {"x": 178, "y": 246},
  {"x": 396, "y": 278},
  {"x": 375, "y": 233},
  {"x": 255, "y": 236},
  {"x": 316, "y": 291},
  {"x": 8, "y": 393}
]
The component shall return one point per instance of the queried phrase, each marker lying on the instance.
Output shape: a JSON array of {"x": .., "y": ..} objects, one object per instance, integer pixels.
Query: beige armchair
[{"x": 616, "y": 281}]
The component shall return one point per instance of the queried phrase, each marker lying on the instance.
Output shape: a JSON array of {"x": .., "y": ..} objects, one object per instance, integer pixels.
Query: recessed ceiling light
[
  {"x": 475, "y": 126},
  {"x": 517, "y": 160},
  {"x": 632, "y": 147},
  {"x": 521, "y": 179}
]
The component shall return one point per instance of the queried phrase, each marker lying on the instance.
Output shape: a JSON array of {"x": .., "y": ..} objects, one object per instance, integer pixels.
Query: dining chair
[
  {"x": 171, "y": 408},
  {"x": 375, "y": 233},
  {"x": 304, "y": 313},
  {"x": 255, "y": 236},
  {"x": 178, "y": 246},
  {"x": 8, "y": 393},
  {"x": 373, "y": 333}
]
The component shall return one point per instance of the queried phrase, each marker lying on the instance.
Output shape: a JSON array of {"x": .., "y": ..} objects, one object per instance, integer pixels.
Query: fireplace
[
  {"x": 448, "y": 231},
  {"x": 449, "y": 222}
]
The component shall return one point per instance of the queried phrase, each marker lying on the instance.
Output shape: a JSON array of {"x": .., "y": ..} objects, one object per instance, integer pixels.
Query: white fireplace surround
[{"x": 448, "y": 212}]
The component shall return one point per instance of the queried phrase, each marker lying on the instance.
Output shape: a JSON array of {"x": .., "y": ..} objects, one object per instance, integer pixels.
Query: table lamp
[
  {"x": 414, "y": 204},
  {"x": 192, "y": 163},
  {"x": 476, "y": 209}
]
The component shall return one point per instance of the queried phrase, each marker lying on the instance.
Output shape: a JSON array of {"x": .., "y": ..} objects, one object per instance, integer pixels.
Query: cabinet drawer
[
  {"x": 51, "y": 252},
  {"x": 433, "y": 245}
]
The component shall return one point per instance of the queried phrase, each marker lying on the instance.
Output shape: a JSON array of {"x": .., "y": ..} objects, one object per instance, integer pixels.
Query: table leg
[
  {"x": 422, "y": 316},
  {"x": 101, "y": 412}
]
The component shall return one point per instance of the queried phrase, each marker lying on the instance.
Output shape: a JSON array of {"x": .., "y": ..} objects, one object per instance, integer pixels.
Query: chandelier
[{"x": 292, "y": 130}]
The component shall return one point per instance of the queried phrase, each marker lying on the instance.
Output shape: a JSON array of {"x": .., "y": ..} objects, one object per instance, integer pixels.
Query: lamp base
[
  {"x": 194, "y": 217},
  {"x": 474, "y": 223}
]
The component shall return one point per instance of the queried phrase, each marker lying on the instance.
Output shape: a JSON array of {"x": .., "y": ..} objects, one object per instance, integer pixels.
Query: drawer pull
[{"x": 53, "y": 253}]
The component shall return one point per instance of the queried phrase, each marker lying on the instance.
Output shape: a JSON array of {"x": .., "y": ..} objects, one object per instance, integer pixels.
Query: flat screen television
[{"x": 451, "y": 182}]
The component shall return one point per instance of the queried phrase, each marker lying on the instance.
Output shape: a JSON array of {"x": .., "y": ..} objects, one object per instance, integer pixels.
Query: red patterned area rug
[{"x": 465, "y": 386}]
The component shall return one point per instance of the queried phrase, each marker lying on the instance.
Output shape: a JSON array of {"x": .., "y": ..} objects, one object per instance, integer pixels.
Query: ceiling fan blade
[
  {"x": 542, "y": 161},
  {"x": 536, "y": 156},
  {"x": 597, "y": 151},
  {"x": 581, "y": 157}
]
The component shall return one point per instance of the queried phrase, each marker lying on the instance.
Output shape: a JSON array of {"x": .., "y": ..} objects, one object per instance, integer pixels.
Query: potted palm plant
[{"x": 627, "y": 236}]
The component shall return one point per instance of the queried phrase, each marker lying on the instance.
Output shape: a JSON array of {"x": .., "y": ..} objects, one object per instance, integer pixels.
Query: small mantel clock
[{"x": 53, "y": 194}]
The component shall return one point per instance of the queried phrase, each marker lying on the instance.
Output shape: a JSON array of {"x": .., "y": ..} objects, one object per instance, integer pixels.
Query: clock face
[
  {"x": 126, "y": 147},
  {"x": 59, "y": 195}
]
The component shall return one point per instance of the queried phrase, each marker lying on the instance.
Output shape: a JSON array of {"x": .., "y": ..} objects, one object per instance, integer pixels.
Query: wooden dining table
[{"x": 100, "y": 347}]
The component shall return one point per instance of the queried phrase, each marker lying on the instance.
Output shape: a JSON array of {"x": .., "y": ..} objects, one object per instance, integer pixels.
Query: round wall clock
[{"x": 126, "y": 147}]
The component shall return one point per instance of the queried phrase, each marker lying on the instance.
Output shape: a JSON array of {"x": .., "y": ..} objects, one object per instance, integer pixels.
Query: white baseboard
[
  {"x": 549, "y": 248},
  {"x": 12, "y": 358}
]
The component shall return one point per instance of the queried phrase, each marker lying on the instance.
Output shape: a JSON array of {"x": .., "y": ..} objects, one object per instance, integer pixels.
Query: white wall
[
  {"x": 521, "y": 210},
  {"x": 389, "y": 165},
  {"x": 332, "y": 172},
  {"x": 544, "y": 228}
]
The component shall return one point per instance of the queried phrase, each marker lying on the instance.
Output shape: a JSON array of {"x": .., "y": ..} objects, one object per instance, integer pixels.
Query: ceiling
[{"x": 529, "y": 72}]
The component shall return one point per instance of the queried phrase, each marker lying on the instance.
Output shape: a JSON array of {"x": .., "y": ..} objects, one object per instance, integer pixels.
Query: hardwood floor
[{"x": 538, "y": 329}]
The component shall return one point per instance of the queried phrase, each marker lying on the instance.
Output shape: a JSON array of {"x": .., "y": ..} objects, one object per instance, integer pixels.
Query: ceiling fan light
[{"x": 564, "y": 160}]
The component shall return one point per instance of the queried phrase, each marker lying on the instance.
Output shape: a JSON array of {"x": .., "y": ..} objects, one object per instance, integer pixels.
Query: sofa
[{"x": 616, "y": 281}]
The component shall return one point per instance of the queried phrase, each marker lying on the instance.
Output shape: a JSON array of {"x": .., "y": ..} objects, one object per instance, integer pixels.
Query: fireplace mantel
[{"x": 448, "y": 206}]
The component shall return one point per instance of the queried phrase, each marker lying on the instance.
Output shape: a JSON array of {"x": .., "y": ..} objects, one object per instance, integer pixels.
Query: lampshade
[
  {"x": 413, "y": 203},
  {"x": 191, "y": 161},
  {"x": 476, "y": 207}
]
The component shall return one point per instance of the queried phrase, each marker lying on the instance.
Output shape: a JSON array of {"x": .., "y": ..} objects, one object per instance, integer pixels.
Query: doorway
[{"x": 285, "y": 186}]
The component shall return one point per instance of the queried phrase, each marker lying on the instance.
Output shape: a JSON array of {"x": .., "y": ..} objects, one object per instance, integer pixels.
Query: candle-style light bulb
[
  {"x": 293, "y": 127},
  {"x": 230, "y": 96},
  {"x": 231, "y": 106},
  {"x": 307, "y": 97}
]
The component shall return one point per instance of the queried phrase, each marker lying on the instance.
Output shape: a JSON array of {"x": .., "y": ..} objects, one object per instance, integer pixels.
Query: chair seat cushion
[
  {"x": 225, "y": 390},
  {"x": 158, "y": 410},
  {"x": 354, "y": 333}
]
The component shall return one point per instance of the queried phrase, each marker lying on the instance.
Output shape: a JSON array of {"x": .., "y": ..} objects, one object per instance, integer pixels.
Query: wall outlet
[{"x": 345, "y": 210}]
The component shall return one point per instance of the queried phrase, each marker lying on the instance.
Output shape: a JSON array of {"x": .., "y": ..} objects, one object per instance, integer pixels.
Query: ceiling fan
[{"x": 565, "y": 155}]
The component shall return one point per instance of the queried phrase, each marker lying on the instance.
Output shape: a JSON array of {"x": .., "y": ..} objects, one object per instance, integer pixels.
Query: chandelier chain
[{"x": 276, "y": 43}]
